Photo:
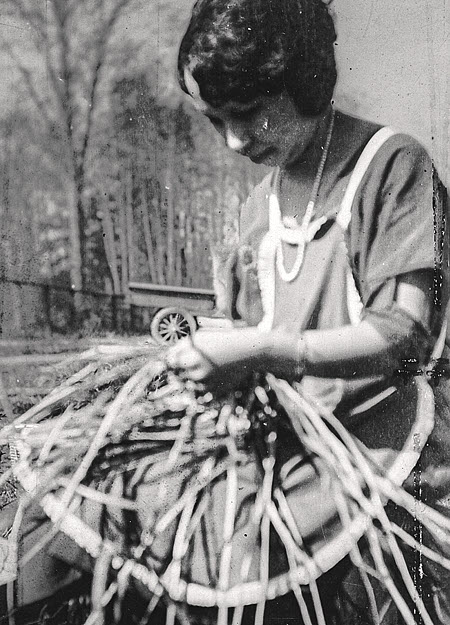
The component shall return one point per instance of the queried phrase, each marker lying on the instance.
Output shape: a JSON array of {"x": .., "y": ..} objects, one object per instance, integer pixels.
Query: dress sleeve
[{"x": 393, "y": 228}]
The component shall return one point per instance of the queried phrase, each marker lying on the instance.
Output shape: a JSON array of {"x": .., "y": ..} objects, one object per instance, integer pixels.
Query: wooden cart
[{"x": 180, "y": 310}]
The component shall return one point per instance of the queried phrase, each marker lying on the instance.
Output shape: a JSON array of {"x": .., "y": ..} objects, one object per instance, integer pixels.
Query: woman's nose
[{"x": 234, "y": 140}]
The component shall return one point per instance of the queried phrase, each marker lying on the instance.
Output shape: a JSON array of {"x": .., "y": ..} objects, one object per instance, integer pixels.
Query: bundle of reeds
[{"x": 214, "y": 489}]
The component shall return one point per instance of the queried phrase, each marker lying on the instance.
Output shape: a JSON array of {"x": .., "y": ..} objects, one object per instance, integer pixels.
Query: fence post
[
  {"x": 114, "y": 312},
  {"x": 47, "y": 306}
]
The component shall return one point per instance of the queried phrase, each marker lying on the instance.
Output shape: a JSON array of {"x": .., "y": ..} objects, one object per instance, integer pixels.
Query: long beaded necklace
[{"x": 305, "y": 232}]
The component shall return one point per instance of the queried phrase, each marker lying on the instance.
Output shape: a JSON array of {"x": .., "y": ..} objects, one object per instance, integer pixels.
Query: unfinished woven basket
[{"x": 213, "y": 501}]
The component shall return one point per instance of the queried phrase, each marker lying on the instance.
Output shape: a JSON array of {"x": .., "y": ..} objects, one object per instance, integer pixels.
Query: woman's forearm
[
  {"x": 377, "y": 346},
  {"x": 350, "y": 351},
  {"x": 342, "y": 352}
]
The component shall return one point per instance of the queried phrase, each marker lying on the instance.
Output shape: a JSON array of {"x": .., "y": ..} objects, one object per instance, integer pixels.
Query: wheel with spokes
[{"x": 169, "y": 325}]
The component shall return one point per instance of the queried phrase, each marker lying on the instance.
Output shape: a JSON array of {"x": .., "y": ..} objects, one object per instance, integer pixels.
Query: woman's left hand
[{"x": 218, "y": 358}]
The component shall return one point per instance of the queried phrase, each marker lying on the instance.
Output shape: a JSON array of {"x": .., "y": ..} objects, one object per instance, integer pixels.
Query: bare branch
[
  {"x": 62, "y": 10},
  {"x": 36, "y": 19},
  {"x": 31, "y": 20},
  {"x": 28, "y": 80},
  {"x": 33, "y": 16},
  {"x": 105, "y": 36}
]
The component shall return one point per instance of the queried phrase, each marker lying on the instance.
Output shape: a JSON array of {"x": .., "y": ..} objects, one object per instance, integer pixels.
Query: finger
[
  {"x": 199, "y": 370},
  {"x": 170, "y": 359},
  {"x": 200, "y": 373},
  {"x": 177, "y": 353},
  {"x": 190, "y": 359}
]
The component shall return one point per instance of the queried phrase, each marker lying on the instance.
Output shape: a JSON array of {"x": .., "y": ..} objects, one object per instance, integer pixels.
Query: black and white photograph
[{"x": 224, "y": 312}]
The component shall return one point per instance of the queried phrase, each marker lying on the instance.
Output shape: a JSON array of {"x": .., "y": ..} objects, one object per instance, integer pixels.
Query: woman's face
[{"x": 268, "y": 130}]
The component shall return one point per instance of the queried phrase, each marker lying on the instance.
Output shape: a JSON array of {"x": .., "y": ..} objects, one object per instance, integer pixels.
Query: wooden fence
[{"x": 28, "y": 307}]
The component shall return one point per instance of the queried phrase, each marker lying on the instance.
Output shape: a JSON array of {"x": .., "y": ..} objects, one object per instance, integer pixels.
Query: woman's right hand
[
  {"x": 220, "y": 358},
  {"x": 188, "y": 362}
]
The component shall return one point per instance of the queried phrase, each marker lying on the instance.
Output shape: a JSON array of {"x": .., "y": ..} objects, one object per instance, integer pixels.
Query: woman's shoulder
[
  {"x": 406, "y": 153},
  {"x": 401, "y": 164},
  {"x": 399, "y": 145}
]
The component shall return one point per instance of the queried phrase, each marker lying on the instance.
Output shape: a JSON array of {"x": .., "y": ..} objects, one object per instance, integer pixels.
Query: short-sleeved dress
[{"x": 395, "y": 226}]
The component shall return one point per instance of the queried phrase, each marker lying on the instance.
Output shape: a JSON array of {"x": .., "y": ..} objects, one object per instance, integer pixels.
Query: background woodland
[{"x": 107, "y": 174}]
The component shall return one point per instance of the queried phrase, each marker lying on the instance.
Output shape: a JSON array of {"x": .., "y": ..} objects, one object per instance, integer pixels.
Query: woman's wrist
[
  {"x": 285, "y": 353},
  {"x": 301, "y": 348}
]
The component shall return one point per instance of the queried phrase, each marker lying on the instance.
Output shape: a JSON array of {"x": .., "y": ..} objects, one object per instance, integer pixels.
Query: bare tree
[{"x": 77, "y": 42}]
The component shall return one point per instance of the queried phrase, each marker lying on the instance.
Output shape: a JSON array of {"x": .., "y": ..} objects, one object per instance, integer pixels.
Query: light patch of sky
[
  {"x": 394, "y": 64},
  {"x": 19, "y": 35}
]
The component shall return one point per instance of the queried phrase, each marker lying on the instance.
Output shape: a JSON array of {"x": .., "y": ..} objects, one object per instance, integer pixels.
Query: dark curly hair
[{"x": 238, "y": 50}]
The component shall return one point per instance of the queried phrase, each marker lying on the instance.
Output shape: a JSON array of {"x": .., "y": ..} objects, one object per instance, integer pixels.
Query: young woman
[
  {"x": 340, "y": 276},
  {"x": 340, "y": 290}
]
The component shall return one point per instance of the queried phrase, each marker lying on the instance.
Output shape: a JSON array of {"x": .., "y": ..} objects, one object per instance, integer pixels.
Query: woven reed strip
[
  {"x": 54, "y": 435},
  {"x": 100, "y": 582},
  {"x": 417, "y": 546},
  {"x": 76, "y": 378},
  {"x": 172, "y": 575},
  {"x": 379, "y": 513},
  {"x": 267, "y": 488},
  {"x": 102, "y": 355},
  {"x": 288, "y": 518},
  {"x": 227, "y": 535},
  {"x": 299, "y": 555},
  {"x": 238, "y": 614},
  {"x": 388, "y": 582},
  {"x": 101, "y": 498},
  {"x": 171, "y": 614},
  {"x": 297, "y": 590},
  {"x": 355, "y": 555},
  {"x": 56, "y": 427},
  {"x": 151, "y": 607}
]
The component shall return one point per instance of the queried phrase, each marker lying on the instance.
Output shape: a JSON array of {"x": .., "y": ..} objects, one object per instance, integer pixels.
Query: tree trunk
[
  {"x": 148, "y": 240},
  {"x": 76, "y": 239},
  {"x": 160, "y": 256},
  {"x": 168, "y": 201},
  {"x": 123, "y": 239},
  {"x": 110, "y": 247},
  {"x": 129, "y": 219}
]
